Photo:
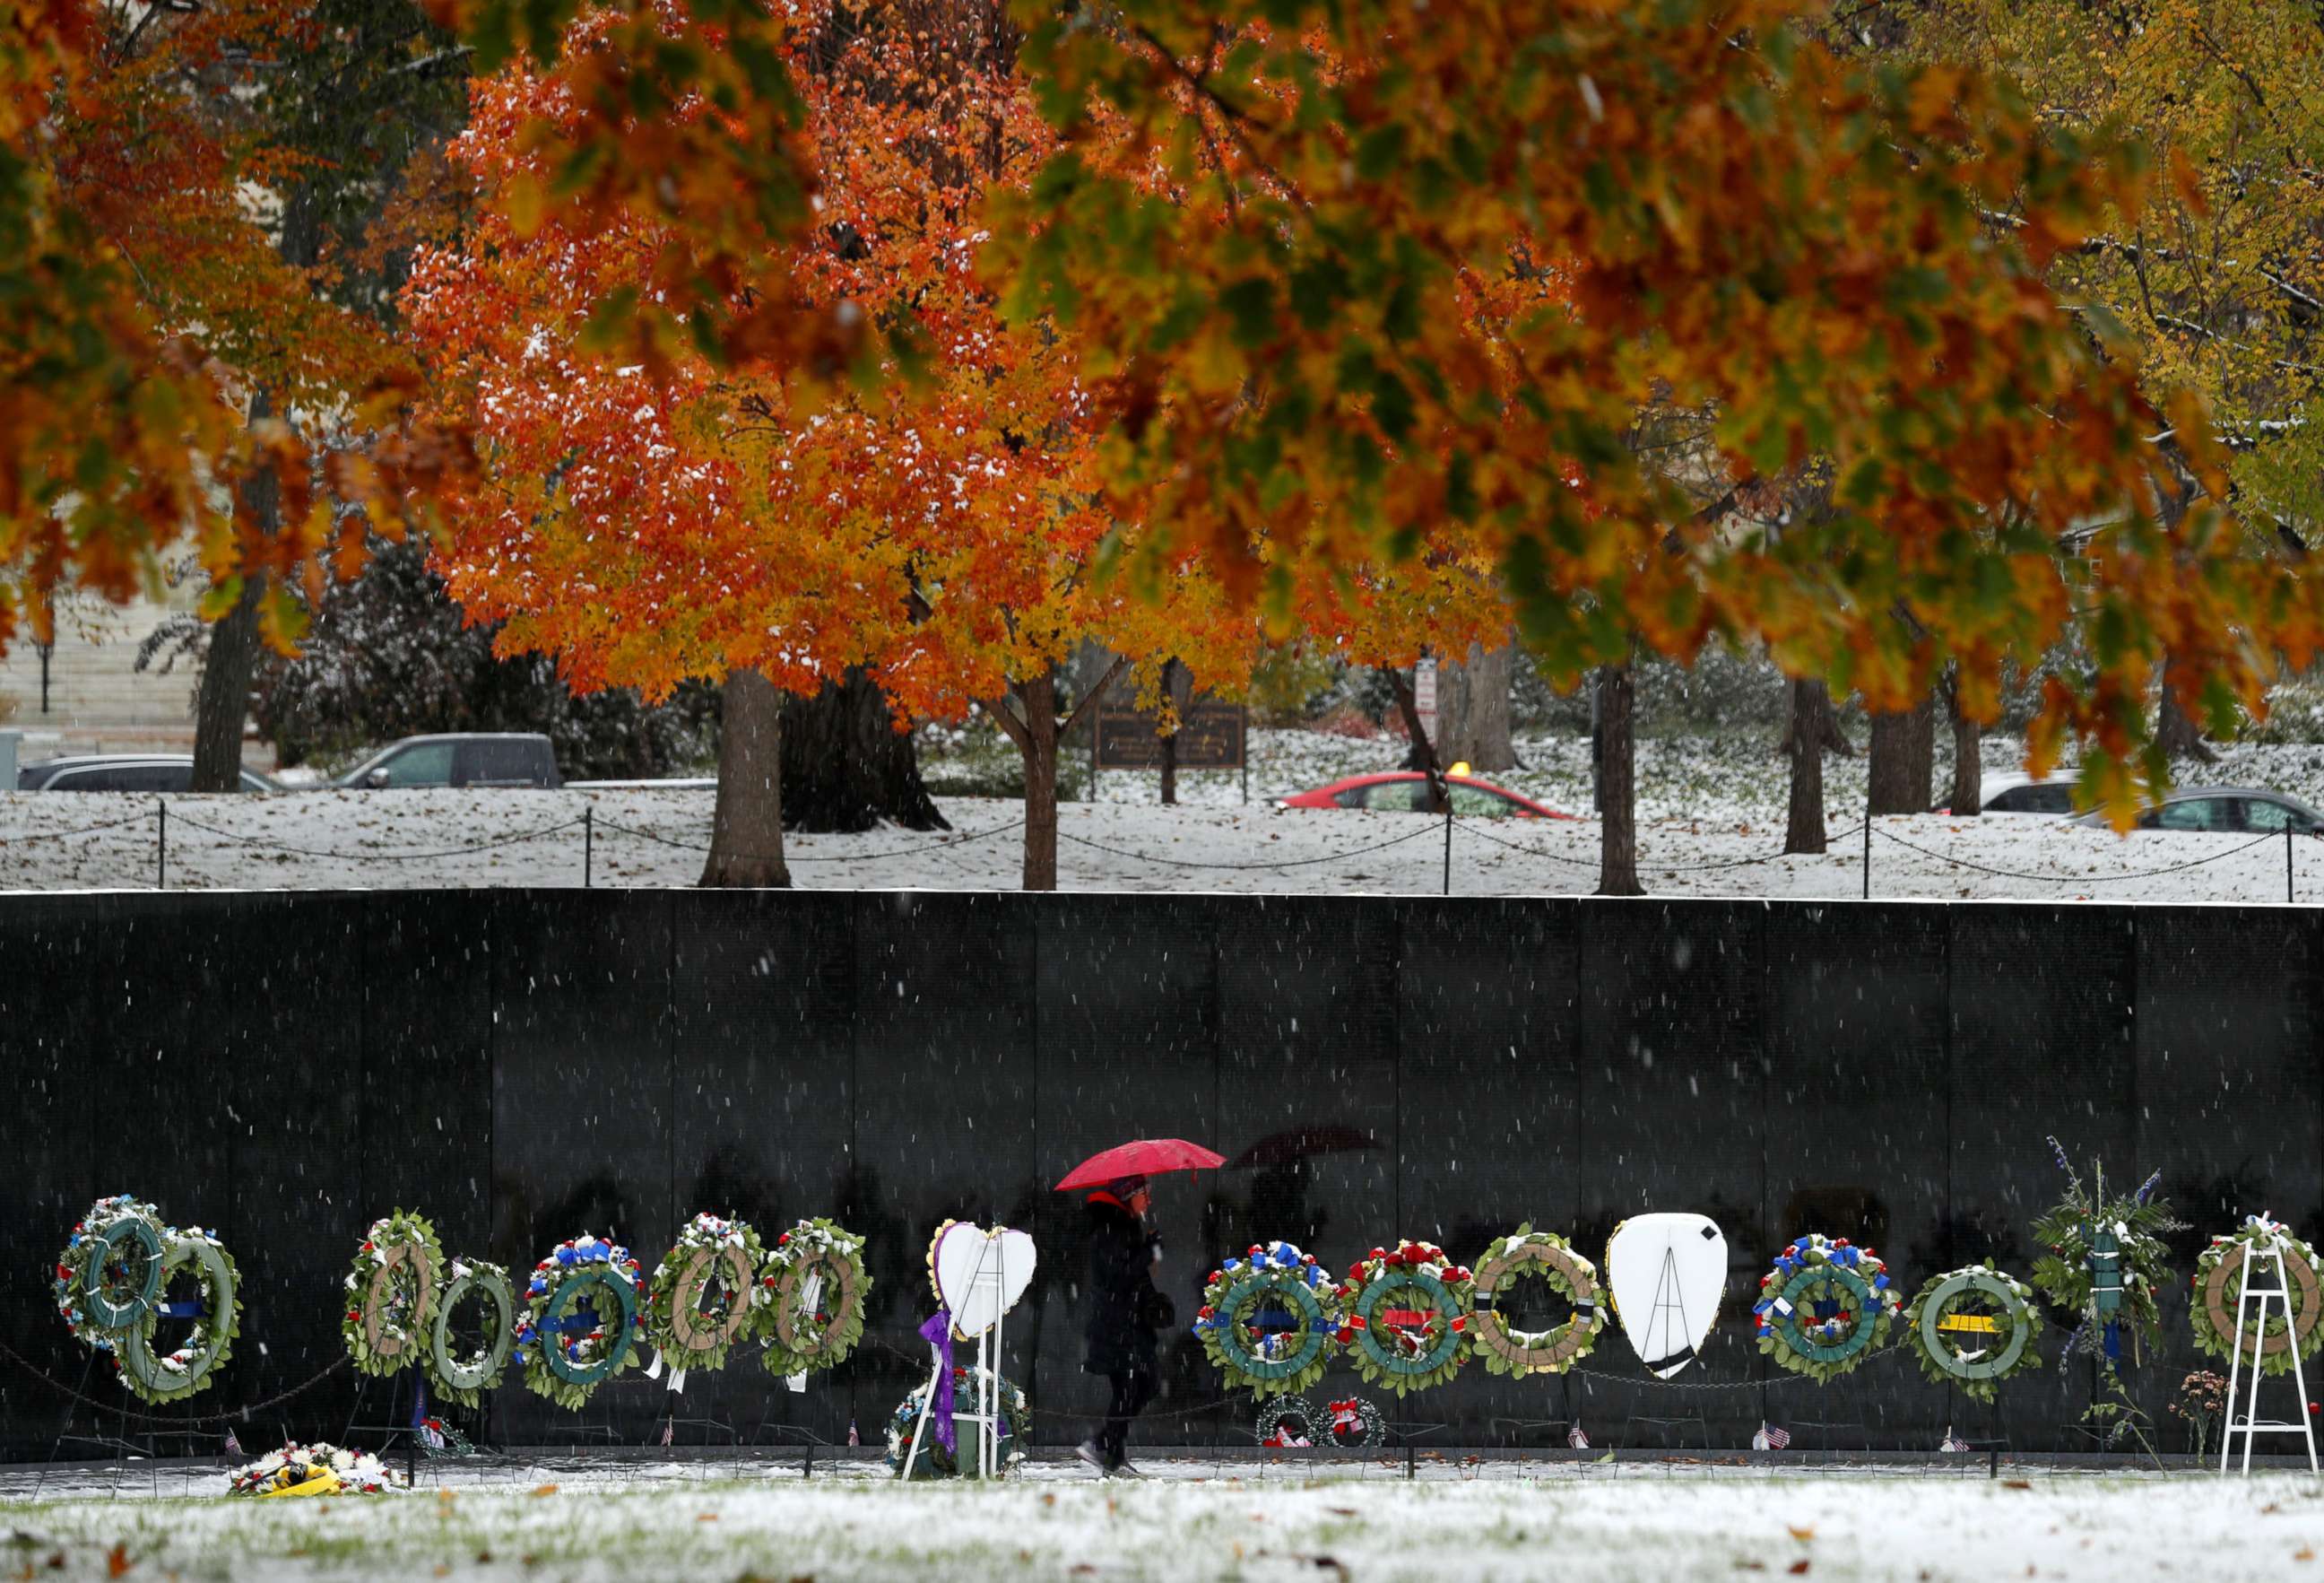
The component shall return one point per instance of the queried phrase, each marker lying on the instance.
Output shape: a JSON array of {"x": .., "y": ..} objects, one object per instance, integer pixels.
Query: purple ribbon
[{"x": 937, "y": 1333}]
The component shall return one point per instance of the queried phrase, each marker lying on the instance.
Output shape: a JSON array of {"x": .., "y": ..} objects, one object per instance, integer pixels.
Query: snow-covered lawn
[
  {"x": 1503, "y": 1520},
  {"x": 1710, "y": 824}
]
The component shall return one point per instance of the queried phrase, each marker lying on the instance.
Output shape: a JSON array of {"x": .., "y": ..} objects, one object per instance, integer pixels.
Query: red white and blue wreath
[
  {"x": 1825, "y": 1307},
  {"x": 580, "y": 1324},
  {"x": 1270, "y": 1320},
  {"x": 1407, "y": 1315},
  {"x": 110, "y": 1271}
]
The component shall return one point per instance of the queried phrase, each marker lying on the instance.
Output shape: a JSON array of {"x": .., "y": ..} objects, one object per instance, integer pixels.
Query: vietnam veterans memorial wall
[{"x": 522, "y": 1067}]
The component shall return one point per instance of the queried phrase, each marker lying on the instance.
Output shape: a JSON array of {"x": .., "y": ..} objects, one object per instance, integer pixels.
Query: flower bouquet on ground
[{"x": 321, "y": 1468}]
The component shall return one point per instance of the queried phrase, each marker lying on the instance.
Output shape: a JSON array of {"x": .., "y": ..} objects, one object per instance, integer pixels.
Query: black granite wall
[{"x": 526, "y": 1065}]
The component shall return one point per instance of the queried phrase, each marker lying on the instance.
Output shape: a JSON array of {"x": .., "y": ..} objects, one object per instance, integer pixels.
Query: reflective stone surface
[{"x": 525, "y": 1067}]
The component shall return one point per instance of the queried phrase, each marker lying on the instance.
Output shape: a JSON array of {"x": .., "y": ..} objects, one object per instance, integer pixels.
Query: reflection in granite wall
[{"x": 525, "y": 1067}]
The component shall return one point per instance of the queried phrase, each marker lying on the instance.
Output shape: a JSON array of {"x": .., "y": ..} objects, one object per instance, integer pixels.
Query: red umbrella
[{"x": 1139, "y": 1157}]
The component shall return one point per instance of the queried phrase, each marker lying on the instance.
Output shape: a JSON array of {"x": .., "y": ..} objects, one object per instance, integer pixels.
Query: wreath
[
  {"x": 1354, "y": 1424},
  {"x": 814, "y": 1286},
  {"x": 392, "y": 1293},
  {"x": 110, "y": 1270},
  {"x": 1509, "y": 1351},
  {"x": 1285, "y": 1424},
  {"x": 216, "y": 1314},
  {"x": 1825, "y": 1307},
  {"x": 1407, "y": 1315},
  {"x": 688, "y": 1327},
  {"x": 1974, "y": 1327},
  {"x": 2218, "y": 1292},
  {"x": 580, "y": 1324},
  {"x": 464, "y": 1376},
  {"x": 1016, "y": 1428},
  {"x": 1271, "y": 1319},
  {"x": 2126, "y": 1233},
  {"x": 320, "y": 1469}
]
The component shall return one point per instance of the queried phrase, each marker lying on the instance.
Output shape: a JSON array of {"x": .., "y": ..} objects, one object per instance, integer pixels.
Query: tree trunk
[
  {"x": 1811, "y": 730},
  {"x": 222, "y": 703},
  {"x": 1035, "y": 729},
  {"x": 1617, "y": 827},
  {"x": 2175, "y": 730},
  {"x": 1903, "y": 760},
  {"x": 1472, "y": 709},
  {"x": 1173, "y": 677},
  {"x": 846, "y": 767},
  {"x": 1967, "y": 799},
  {"x": 746, "y": 826},
  {"x": 1423, "y": 756}
]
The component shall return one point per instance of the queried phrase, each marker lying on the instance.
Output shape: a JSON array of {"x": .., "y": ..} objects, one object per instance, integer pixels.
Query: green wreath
[
  {"x": 392, "y": 1293},
  {"x": 1286, "y": 1289},
  {"x": 2132, "y": 1228},
  {"x": 1396, "y": 1352},
  {"x": 2217, "y": 1291},
  {"x": 110, "y": 1270},
  {"x": 815, "y": 1287},
  {"x": 1016, "y": 1428},
  {"x": 580, "y": 1325},
  {"x": 465, "y": 1378},
  {"x": 1974, "y": 1327},
  {"x": 690, "y": 1328},
  {"x": 1825, "y": 1307},
  {"x": 1507, "y": 1351},
  {"x": 216, "y": 1315}
]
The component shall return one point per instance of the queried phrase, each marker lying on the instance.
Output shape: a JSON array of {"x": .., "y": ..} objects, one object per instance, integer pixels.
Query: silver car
[{"x": 2226, "y": 809}]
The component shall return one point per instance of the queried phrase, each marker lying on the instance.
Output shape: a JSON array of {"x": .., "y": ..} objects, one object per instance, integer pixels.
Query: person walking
[{"x": 1125, "y": 1311}]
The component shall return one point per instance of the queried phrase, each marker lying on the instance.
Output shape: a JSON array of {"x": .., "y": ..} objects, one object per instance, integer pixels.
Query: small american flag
[
  {"x": 1576, "y": 1439},
  {"x": 1952, "y": 1442},
  {"x": 667, "y": 1425},
  {"x": 233, "y": 1446},
  {"x": 1770, "y": 1437}
]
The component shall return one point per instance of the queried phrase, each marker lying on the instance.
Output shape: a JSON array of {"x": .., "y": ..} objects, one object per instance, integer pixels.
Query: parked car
[
  {"x": 123, "y": 772},
  {"x": 2226, "y": 809},
  {"x": 2009, "y": 792},
  {"x": 462, "y": 758},
  {"x": 1406, "y": 791}
]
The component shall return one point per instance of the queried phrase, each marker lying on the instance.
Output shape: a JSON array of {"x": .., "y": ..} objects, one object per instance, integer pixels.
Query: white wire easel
[
  {"x": 2253, "y": 1339},
  {"x": 988, "y": 1284}
]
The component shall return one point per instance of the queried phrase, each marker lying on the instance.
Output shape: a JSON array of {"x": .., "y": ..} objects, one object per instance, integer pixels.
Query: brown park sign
[{"x": 1210, "y": 737}]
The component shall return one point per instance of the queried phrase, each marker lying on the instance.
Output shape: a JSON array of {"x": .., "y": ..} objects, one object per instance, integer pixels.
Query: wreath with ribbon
[
  {"x": 1974, "y": 1327},
  {"x": 938, "y": 1460},
  {"x": 216, "y": 1314},
  {"x": 1270, "y": 1320},
  {"x": 1507, "y": 1351},
  {"x": 110, "y": 1270},
  {"x": 1285, "y": 1424},
  {"x": 1407, "y": 1315},
  {"x": 320, "y": 1469},
  {"x": 2107, "y": 1264},
  {"x": 580, "y": 1323},
  {"x": 816, "y": 1285},
  {"x": 392, "y": 1293},
  {"x": 1825, "y": 1307},
  {"x": 688, "y": 1327},
  {"x": 2218, "y": 1290},
  {"x": 464, "y": 1376}
]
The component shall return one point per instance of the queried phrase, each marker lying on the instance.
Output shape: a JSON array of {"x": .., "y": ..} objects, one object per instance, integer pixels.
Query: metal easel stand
[
  {"x": 988, "y": 1415},
  {"x": 2248, "y": 1424}
]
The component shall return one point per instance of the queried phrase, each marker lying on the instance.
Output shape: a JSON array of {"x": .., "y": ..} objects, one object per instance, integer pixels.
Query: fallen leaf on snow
[{"x": 1801, "y": 1534}]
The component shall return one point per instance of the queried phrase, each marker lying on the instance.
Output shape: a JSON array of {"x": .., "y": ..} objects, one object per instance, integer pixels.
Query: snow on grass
[
  {"x": 1605, "y": 1522},
  {"x": 1710, "y": 824}
]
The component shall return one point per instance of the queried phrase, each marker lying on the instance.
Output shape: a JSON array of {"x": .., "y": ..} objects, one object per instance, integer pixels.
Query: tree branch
[{"x": 1095, "y": 693}]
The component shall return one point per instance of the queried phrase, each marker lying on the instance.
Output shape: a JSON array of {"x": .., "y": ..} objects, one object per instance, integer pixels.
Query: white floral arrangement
[{"x": 343, "y": 1470}]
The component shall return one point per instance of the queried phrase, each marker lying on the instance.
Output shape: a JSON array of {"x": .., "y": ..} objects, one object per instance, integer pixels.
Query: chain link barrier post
[
  {"x": 589, "y": 843},
  {"x": 1867, "y": 849},
  {"x": 160, "y": 844}
]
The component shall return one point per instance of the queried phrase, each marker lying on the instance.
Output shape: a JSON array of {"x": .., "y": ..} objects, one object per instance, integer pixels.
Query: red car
[{"x": 1406, "y": 791}]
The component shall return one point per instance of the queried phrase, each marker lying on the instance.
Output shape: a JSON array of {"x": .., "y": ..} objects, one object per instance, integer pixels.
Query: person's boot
[{"x": 1092, "y": 1453}]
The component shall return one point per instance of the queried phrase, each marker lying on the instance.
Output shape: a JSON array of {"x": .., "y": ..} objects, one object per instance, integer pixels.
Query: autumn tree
[
  {"x": 1750, "y": 226},
  {"x": 935, "y": 528},
  {"x": 2214, "y": 282}
]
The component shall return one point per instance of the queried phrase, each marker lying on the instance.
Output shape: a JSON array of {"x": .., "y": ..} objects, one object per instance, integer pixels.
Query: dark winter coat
[{"x": 1122, "y": 1300}]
